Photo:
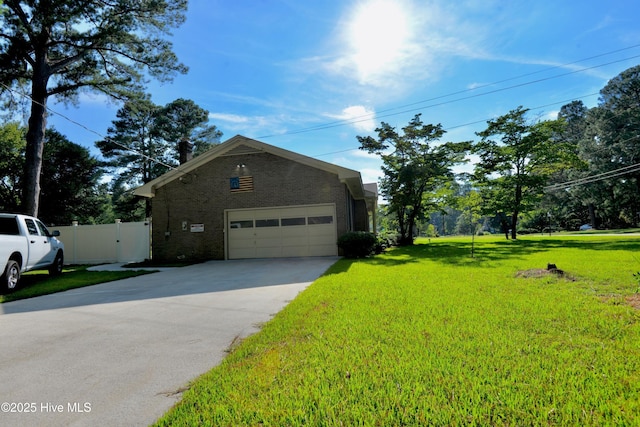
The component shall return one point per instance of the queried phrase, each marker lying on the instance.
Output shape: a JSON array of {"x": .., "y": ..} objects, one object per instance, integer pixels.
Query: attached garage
[
  {"x": 247, "y": 199},
  {"x": 282, "y": 232}
]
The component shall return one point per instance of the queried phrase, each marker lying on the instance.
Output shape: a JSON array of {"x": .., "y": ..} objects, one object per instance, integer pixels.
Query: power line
[
  {"x": 370, "y": 116},
  {"x": 478, "y": 121},
  {"x": 597, "y": 177},
  {"x": 366, "y": 117},
  {"x": 106, "y": 138}
]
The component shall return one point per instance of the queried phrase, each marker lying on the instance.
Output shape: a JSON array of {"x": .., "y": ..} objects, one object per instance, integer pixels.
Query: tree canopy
[
  {"x": 63, "y": 47},
  {"x": 516, "y": 159},
  {"x": 143, "y": 142},
  {"x": 606, "y": 138},
  {"x": 70, "y": 177},
  {"x": 11, "y": 165},
  {"x": 414, "y": 164},
  {"x": 70, "y": 182}
]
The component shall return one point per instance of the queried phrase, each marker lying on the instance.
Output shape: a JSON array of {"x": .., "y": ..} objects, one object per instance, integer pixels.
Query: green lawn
[
  {"x": 36, "y": 283},
  {"x": 429, "y": 336}
]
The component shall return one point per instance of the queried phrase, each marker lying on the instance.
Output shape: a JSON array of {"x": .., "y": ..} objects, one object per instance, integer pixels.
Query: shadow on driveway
[
  {"x": 126, "y": 350},
  {"x": 212, "y": 276}
]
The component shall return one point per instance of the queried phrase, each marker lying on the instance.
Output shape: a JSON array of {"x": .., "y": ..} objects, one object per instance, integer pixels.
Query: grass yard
[
  {"x": 427, "y": 335},
  {"x": 39, "y": 282}
]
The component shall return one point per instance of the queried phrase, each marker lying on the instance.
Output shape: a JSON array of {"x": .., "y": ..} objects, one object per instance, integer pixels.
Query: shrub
[
  {"x": 381, "y": 245},
  {"x": 357, "y": 244},
  {"x": 391, "y": 239}
]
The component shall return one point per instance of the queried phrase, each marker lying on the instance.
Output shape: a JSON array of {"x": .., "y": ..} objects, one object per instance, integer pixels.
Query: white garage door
[{"x": 282, "y": 232}]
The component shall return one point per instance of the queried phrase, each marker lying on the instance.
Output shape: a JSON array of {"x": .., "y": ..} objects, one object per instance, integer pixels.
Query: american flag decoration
[{"x": 240, "y": 184}]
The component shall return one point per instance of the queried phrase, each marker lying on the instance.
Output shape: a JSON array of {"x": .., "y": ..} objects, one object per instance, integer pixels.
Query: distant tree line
[
  {"x": 531, "y": 175},
  {"x": 606, "y": 139}
]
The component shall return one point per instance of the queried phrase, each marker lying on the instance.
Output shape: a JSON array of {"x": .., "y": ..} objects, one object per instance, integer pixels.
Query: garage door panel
[
  {"x": 241, "y": 243},
  {"x": 324, "y": 229},
  {"x": 295, "y": 241},
  {"x": 295, "y": 251},
  {"x": 268, "y": 233},
  {"x": 239, "y": 253},
  {"x": 282, "y": 232},
  {"x": 322, "y": 250},
  {"x": 272, "y": 243},
  {"x": 240, "y": 238},
  {"x": 294, "y": 231},
  {"x": 269, "y": 252}
]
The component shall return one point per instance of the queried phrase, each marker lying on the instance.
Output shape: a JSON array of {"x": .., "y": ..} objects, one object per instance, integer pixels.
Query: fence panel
[
  {"x": 105, "y": 243},
  {"x": 134, "y": 242}
]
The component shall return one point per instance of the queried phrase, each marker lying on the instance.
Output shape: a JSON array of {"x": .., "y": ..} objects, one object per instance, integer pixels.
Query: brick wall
[{"x": 202, "y": 196}]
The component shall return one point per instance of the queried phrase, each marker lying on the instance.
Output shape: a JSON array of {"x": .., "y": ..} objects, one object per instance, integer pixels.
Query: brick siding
[{"x": 202, "y": 196}]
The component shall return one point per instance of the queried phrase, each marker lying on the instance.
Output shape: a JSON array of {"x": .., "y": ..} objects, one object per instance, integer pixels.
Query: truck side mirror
[{"x": 55, "y": 233}]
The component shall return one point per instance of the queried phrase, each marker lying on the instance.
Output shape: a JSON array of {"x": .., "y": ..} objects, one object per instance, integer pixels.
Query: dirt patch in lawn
[
  {"x": 535, "y": 273},
  {"x": 633, "y": 301}
]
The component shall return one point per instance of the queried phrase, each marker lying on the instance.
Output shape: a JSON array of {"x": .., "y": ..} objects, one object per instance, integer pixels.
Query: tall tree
[
  {"x": 63, "y": 47},
  {"x": 70, "y": 181},
  {"x": 606, "y": 139},
  {"x": 11, "y": 165},
  {"x": 184, "y": 119},
  {"x": 142, "y": 143},
  {"x": 135, "y": 152},
  {"x": 573, "y": 206},
  {"x": 522, "y": 155},
  {"x": 413, "y": 164},
  {"x": 617, "y": 120}
]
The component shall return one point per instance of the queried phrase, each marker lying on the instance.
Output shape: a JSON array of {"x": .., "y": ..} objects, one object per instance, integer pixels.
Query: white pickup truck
[{"x": 26, "y": 244}]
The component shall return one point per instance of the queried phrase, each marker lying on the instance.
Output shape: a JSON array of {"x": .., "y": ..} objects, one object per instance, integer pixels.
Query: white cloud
[
  {"x": 551, "y": 115},
  {"x": 365, "y": 155},
  {"x": 393, "y": 44},
  {"x": 476, "y": 85},
  {"x": 250, "y": 126},
  {"x": 359, "y": 116},
  {"x": 371, "y": 175},
  {"x": 229, "y": 118}
]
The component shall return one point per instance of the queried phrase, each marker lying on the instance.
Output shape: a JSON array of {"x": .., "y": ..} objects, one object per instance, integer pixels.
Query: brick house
[{"x": 247, "y": 199}]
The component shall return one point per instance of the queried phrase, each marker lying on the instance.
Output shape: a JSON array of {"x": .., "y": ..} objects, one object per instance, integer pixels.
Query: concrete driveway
[{"x": 120, "y": 353}]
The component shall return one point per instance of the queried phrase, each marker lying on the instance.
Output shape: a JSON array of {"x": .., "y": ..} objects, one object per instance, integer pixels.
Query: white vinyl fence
[{"x": 106, "y": 243}]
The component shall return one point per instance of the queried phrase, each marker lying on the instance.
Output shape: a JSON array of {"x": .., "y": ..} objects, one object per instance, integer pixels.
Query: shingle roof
[{"x": 350, "y": 177}]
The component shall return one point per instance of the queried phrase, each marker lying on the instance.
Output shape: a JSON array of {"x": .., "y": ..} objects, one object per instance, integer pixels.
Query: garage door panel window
[
  {"x": 274, "y": 222},
  {"x": 241, "y": 224},
  {"x": 287, "y": 222},
  {"x": 323, "y": 219}
]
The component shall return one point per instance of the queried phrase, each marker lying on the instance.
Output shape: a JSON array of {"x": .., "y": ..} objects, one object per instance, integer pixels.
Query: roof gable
[{"x": 242, "y": 145}]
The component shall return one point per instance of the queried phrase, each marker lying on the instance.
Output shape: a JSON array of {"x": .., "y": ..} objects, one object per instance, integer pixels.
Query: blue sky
[{"x": 311, "y": 76}]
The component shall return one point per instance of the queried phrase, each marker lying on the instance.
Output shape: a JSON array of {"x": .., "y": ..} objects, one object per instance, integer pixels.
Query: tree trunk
[
  {"x": 504, "y": 224},
  {"x": 514, "y": 224},
  {"x": 411, "y": 226},
  {"x": 35, "y": 140}
]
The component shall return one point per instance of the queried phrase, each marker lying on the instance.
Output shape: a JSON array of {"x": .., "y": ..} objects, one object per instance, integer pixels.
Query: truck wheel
[
  {"x": 56, "y": 268},
  {"x": 11, "y": 275}
]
